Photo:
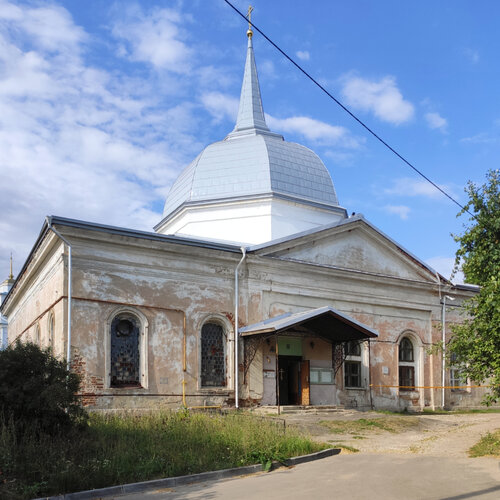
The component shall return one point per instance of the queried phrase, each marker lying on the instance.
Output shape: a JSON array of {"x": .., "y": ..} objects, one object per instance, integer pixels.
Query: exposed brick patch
[
  {"x": 91, "y": 385},
  {"x": 230, "y": 317}
]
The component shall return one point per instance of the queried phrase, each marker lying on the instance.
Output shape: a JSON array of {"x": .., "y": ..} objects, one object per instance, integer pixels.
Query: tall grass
[{"x": 114, "y": 450}]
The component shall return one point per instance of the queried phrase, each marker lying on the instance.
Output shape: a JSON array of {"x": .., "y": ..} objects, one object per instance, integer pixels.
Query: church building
[{"x": 255, "y": 288}]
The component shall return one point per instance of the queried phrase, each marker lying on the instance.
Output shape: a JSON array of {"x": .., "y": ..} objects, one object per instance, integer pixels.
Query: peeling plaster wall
[
  {"x": 163, "y": 284},
  {"x": 38, "y": 294},
  {"x": 167, "y": 284}
]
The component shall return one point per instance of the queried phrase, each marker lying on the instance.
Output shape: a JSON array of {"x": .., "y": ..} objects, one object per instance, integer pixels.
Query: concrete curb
[{"x": 170, "y": 482}]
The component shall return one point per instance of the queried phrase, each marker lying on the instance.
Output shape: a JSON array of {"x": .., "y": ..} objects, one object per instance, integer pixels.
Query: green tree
[
  {"x": 476, "y": 342},
  {"x": 36, "y": 388}
]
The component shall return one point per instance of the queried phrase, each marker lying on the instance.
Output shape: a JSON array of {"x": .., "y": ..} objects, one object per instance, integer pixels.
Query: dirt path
[{"x": 448, "y": 435}]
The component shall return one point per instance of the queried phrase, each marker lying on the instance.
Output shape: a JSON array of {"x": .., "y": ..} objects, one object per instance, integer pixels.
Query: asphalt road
[{"x": 356, "y": 476}]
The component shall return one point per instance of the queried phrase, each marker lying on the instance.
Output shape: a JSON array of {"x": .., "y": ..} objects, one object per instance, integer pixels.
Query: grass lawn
[
  {"x": 488, "y": 446},
  {"x": 114, "y": 450}
]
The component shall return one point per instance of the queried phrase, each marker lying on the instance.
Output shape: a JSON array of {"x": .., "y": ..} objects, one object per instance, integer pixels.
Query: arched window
[
  {"x": 37, "y": 334},
  {"x": 213, "y": 356},
  {"x": 125, "y": 367},
  {"x": 406, "y": 365},
  {"x": 406, "y": 350},
  {"x": 50, "y": 331}
]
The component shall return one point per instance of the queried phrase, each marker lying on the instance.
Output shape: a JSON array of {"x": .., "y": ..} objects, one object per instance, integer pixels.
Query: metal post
[{"x": 369, "y": 372}]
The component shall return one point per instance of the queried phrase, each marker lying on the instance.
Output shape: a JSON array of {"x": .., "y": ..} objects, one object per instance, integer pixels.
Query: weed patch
[{"x": 489, "y": 445}]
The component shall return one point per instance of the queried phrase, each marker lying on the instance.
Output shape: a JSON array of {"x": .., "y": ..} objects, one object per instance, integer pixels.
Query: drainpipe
[
  {"x": 433, "y": 391},
  {"x": 184, "y": 361},
  {"x": 67, "y": 243},
  {"x": 236, "y": 329},
  {"x": 443, "y": 339}
]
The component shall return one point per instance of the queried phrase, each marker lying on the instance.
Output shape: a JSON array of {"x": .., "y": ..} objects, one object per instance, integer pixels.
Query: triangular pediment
[{"x": 354, "y": 244}]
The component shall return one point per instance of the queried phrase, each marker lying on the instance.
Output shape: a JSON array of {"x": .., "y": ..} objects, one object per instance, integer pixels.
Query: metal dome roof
[{"x": 252, "y": 161}]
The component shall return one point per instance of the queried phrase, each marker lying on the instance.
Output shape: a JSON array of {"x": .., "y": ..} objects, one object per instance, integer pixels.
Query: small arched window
[
  {"x": 213, "y": 356},
  {"x": 125, "y": 368},
  {"x": 406, "y": 365},
  {"x": 37, "y": 334},
  {"x": 50, "y": 331}
]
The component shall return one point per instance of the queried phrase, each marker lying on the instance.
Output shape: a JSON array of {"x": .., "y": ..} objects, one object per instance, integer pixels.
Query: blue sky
[{"x": 102, "y": 104}]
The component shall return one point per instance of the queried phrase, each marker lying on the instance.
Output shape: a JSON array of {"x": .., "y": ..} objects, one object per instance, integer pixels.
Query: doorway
[{"x": 293, "y": 376}]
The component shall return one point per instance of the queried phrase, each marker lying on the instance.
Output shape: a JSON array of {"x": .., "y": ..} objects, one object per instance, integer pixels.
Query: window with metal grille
[
  {"x": 125, "y": 351},
  {"x": 352, "y": 374},
  {"x": 213, "y": 358},
  {"x": 407, "y": 378}
]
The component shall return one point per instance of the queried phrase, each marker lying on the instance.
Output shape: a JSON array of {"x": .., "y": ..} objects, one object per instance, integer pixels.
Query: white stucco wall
[{"x": 250, "y": 221}]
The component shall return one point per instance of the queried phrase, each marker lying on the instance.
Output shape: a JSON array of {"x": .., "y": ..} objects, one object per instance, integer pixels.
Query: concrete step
[{"x": 300, "y": 409}]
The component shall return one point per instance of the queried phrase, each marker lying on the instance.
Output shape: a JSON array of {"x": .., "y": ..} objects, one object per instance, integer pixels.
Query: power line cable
[{"x": 366, "y": 127}]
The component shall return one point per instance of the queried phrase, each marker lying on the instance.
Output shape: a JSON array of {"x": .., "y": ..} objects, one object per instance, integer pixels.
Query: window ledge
[
  {"x": 130, "y": 388},
  {"x": 215, "y": 390}
]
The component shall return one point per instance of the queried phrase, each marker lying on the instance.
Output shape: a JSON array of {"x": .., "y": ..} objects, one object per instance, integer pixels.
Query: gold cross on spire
[{"x": 249, "y": 17}]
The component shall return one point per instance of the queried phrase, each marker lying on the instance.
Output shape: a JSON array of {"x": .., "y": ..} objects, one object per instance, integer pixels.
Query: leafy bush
[{"x": 36, "y": 388}]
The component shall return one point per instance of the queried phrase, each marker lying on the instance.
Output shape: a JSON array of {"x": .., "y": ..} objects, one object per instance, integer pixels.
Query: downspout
[
  {"x": 443, "y": 359},
  {"x": 236, "y": 329},
  {"x": 184, "y": 361},
  {"x": 433, "y": 398},
  {"x": 443, "y": 339},
  {"x": 68, "y": 244},
  {"x": 370, "y": 373}
]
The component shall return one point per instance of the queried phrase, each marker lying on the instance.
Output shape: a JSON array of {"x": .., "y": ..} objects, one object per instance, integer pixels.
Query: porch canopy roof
[{"x": 324, "y": 322}]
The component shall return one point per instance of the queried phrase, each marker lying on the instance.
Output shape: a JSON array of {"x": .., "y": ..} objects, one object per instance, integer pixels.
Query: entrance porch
[{"x": 302, "y": 353}]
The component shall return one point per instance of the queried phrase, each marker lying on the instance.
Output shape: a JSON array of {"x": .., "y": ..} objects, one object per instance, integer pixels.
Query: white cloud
[
  {"x": 445, "y": 266},
  {"x": 220, "y": 106},
  {"x": 383, "y": 98},
  {"x": 156, "y": 38},
  {"x": 50, "y": 26},
  {"x": 76, "y": 140},
  {"x": 314, "y": 130},
  {"x": 481, "y": 138},
  {"x": 303, "y": 55},
  {"x": 436, "y": 121},
  {"x": 407, "y": 186},
  {"x": 401, "y": 210}
]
